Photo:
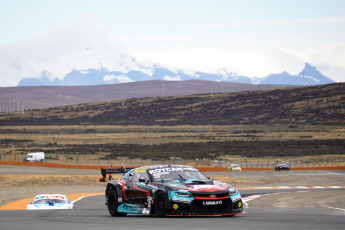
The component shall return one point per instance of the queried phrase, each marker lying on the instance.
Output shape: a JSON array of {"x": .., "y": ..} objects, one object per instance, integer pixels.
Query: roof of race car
[
  {"x": 150, "y": 169},
  {"x": 154, "y": 167},
  {"x": 165, "y": 166},
  {"x": 51, "y": 196}
]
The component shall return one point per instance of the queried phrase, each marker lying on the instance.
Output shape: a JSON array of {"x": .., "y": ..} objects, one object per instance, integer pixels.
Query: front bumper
[{"x": 199, "y": 207}]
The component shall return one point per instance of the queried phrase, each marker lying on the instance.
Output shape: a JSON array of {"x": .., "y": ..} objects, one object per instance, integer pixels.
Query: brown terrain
[{"x": 36, "y": 97}]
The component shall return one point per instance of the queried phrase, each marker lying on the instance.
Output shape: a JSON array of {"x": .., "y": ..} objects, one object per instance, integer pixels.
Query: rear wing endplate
[{"x": 123, "y": 169}]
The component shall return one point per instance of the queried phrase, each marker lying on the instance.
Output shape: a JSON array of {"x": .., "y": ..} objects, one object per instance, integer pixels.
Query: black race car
[
  {"x": 169, "y": 190},
  {"x": 281, "y": 166}
]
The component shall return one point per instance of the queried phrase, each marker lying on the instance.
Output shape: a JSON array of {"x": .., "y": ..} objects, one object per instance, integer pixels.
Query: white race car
[{"x": 50, "y": 201}]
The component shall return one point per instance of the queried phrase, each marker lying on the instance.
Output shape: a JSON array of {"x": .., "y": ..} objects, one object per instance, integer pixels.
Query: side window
[
  {"x": 144, "y": 176},
  {"x": 140, "y": 175},
  {"x": 129, "y": 175}
]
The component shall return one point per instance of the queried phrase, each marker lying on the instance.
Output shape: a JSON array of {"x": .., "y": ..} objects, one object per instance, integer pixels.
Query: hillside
[
  {"x": 324, "y": 104},
  {"x": 37, "y": 97}
]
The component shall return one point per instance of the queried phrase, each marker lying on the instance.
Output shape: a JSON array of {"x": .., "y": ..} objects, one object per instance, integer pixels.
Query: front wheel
[
  {"x": 160, "y": 204},
  {"x": 113, "y": 204}
]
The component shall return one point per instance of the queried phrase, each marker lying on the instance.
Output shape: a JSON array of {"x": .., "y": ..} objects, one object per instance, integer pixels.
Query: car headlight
[
  {"x": 232, "y": 191},
  {"x": 184, "y": 194}
]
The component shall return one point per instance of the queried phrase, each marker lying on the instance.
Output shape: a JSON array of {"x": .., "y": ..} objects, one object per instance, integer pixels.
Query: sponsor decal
[
  {"x": 239, "y": 204},
  {"x": 149, "y": 201},
  {"x": 182, "y": 199},
  {"x": 146, "y": 211},
  {"x": 207, "y": 188},
  {"x": 178, "y": 186},
  {"x": 129, "y": 208},
  {"x": 119, "y": 199},
  {"x": 156, "y": 176},
  {"x": 212, "y": 202},
  {"x": 235, "y": 198},
  {"x": 50, "y": 197},
  {"x": 165, "y": 170},
  {"x": 150, "y": 186},
  {"x": 175, "y": 206},
  {"x": 190, "y": 169}
]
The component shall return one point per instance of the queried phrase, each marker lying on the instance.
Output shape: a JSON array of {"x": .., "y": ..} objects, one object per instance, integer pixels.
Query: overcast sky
[{"x": 248, "y": 37}]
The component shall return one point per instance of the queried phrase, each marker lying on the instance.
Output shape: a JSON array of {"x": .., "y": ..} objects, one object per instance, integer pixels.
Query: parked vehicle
[
  {"x": 35, "y": 157},
  {"x": 234, "y": 167},
  {"x": 281, "y": 166}
]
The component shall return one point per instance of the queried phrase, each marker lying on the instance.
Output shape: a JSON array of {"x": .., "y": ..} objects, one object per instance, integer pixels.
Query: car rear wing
[{"x": 123, "y": 169}]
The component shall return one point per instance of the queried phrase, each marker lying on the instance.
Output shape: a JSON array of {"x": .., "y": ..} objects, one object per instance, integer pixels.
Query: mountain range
[{"x": 102, "y": 76}]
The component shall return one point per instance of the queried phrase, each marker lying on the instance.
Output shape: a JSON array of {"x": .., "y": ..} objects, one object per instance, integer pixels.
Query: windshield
[
  {"x": 42, "y": 201},
  {"x": 179, "y": 175}
]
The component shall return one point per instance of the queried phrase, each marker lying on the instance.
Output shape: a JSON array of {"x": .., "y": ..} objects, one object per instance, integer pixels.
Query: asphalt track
[{"x": 90, "y": 213}]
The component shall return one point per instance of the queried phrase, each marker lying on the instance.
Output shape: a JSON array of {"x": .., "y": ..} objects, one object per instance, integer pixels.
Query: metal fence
[{"x": 125, "y": 161}]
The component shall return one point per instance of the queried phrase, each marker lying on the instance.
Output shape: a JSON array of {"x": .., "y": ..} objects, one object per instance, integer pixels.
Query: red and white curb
[
  {"x": 293, "y": 187},
  {"x": 249, "y": 198}
]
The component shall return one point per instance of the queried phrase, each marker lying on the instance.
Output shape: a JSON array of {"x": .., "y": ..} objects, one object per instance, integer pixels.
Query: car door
[{"x": 136, "y": 191}]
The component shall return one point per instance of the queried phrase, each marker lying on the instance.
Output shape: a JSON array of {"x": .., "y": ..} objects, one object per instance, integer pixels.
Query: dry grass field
[
  {"x": 138, "y": 145},
  {"x": 279, "y": 125}
]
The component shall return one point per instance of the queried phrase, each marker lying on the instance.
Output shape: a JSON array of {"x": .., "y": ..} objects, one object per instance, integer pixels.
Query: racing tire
[
  {"x": 160, "y": 204},
  {"x": 113, "y": 204}
]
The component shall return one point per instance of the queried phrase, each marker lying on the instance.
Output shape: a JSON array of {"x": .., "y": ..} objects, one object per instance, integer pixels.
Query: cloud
[
  {"x": 305, "y": 21},
  {"x": 81, "y": 45}
]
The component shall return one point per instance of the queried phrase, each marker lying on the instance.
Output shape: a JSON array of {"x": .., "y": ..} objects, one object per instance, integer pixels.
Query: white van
[{"x": 32, "y": 157}]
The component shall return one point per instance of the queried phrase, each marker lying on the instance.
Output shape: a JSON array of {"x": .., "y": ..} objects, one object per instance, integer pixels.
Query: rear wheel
[
  {"x": 113, "y": 204},
  {"x": 160, "y": 204}
]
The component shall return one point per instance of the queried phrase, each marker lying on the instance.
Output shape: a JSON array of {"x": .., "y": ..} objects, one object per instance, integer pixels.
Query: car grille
[
  {"x": 210, "y": 195},
  {"x": 214, "y": 206}
]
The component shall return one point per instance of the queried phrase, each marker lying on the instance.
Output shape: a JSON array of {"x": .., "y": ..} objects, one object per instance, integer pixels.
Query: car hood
[
  {"x": 48, "y": 206},
  {"x": 198, "y": 186}
]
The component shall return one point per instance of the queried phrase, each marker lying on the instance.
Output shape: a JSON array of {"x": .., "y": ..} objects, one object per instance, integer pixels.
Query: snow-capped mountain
[{"x": 308, "y": 76}]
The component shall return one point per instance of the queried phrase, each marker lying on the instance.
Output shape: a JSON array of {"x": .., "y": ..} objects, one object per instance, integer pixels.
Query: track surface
[{"x": 91, "y": 213}]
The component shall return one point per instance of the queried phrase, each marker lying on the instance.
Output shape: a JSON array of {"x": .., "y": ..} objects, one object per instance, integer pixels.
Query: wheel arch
[{"x": 116, "y": 187}]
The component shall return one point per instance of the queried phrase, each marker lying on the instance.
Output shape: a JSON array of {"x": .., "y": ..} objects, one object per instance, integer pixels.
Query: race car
[
  {"x": 169, "y": 190},
  {"x": 281, "y": 166},
  {"x": 234, "y": 167},
  {"x": 50, "y": 201}
]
